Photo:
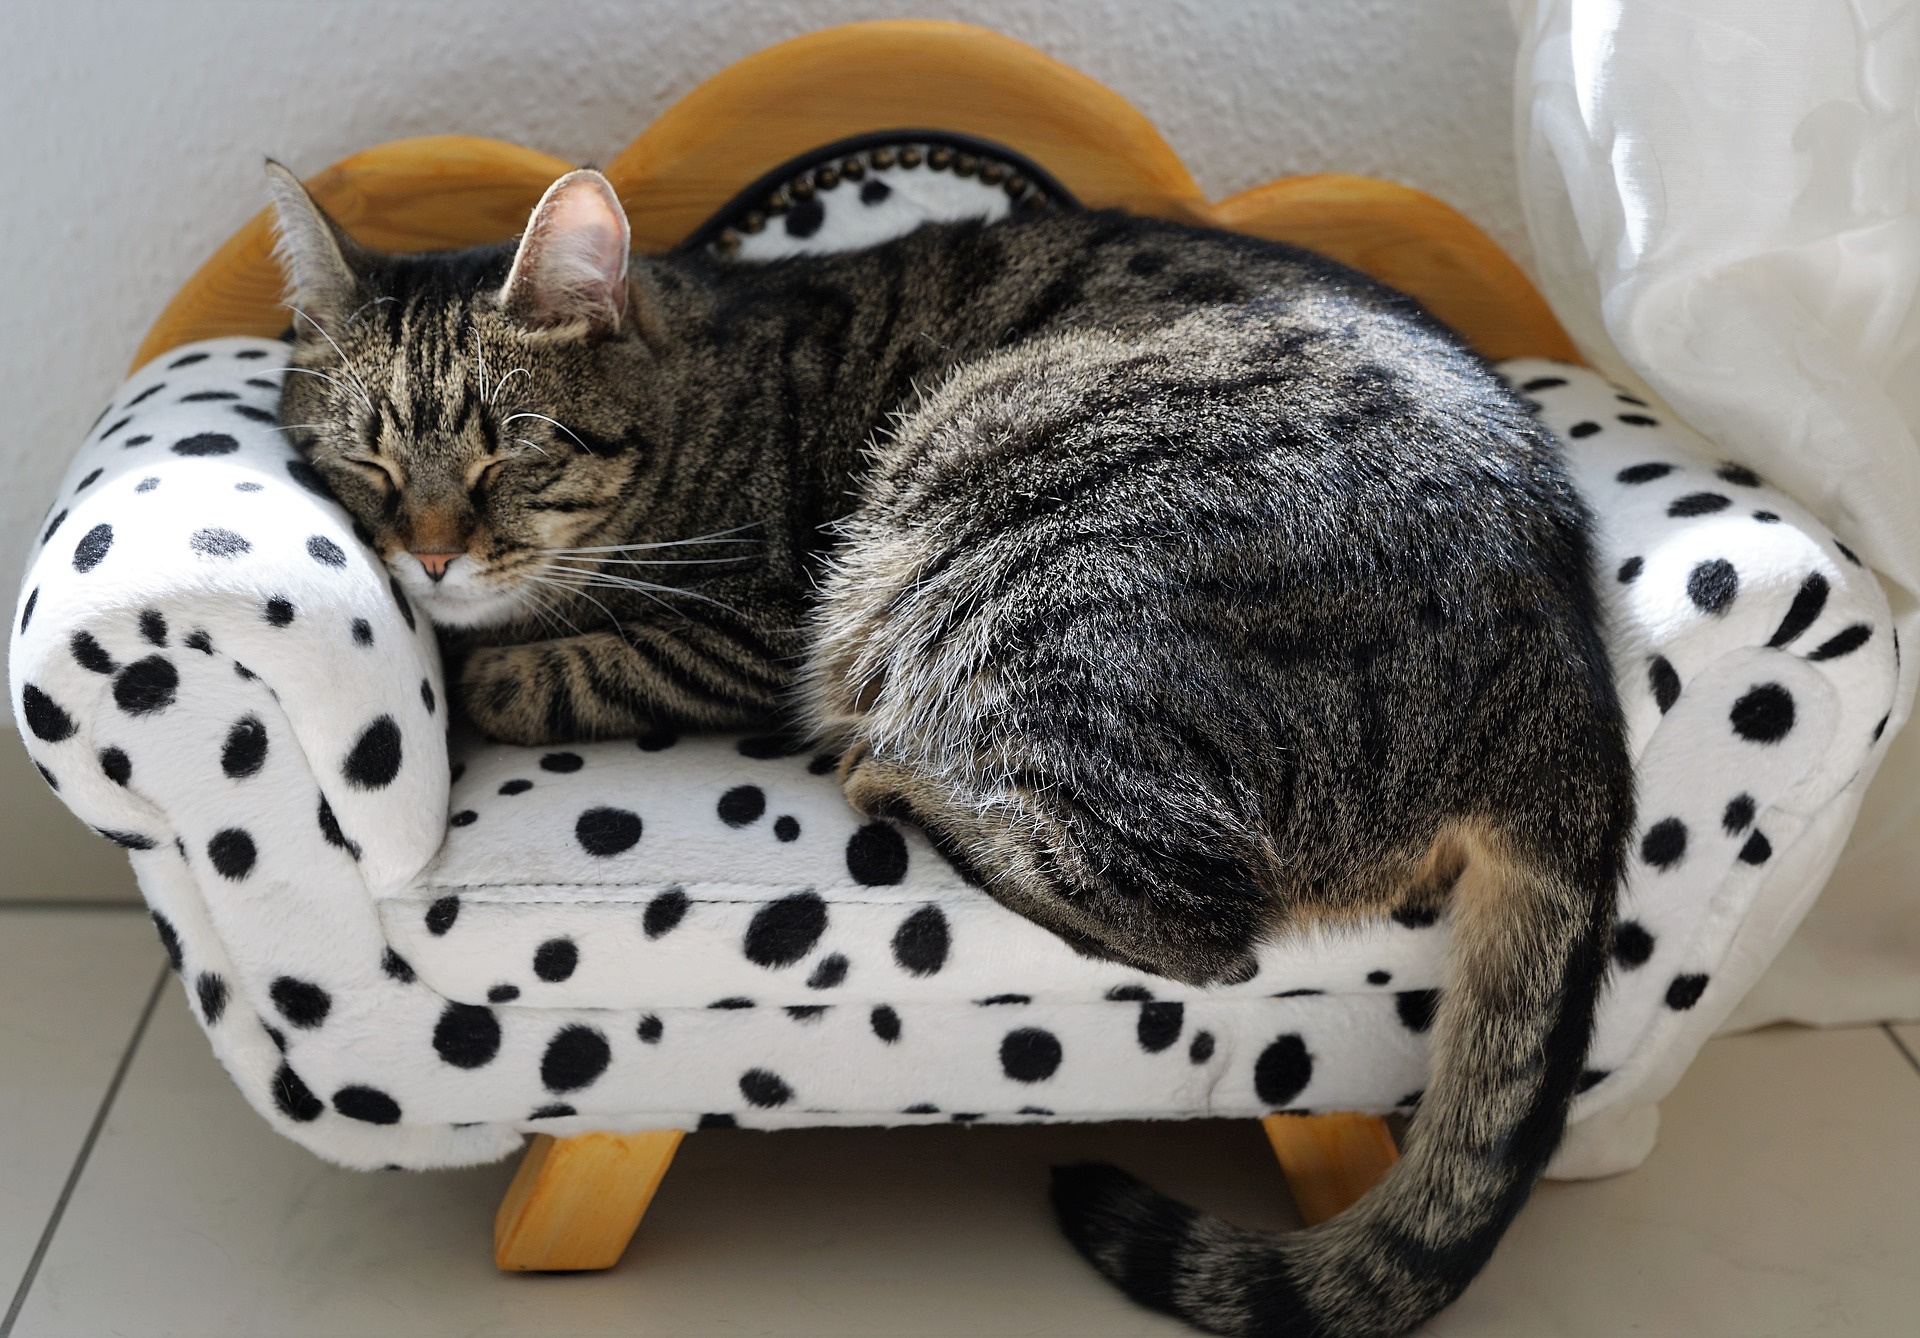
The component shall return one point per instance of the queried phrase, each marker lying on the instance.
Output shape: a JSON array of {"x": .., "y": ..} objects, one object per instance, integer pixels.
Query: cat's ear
[
  {"x": 315, "y": 255},
  {"x": 570, "y": 272}
]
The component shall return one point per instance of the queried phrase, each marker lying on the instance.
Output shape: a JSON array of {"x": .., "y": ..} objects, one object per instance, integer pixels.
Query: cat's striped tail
[{"x": 1528, "y": 956}]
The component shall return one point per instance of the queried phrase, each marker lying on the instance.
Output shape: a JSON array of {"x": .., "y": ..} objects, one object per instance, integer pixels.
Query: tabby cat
[{"x": 1185, "y": 588}]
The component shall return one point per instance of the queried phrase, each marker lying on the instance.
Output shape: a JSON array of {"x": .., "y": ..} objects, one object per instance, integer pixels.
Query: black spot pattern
[
  {"x": 246, "y": 748},
  {"x": 1665, "y": 844},
  {"x": 90, "y": 654},
  {"x": 784, "y": 931},
  {"x": 1699, "y": 504},
  {"x": 1283, "y": 1070},
  {"x": 1630, "y": 570},
  {"x": 1664, "y": 682},
  {"x": 1415, "y": 1008},
  {"x": 514, "y": 787},
  {"x": 877, "y": 855},
  {"x": 48, "y": 722},
  {"x": 169, "y": 938},
  {"x": 650, "y": 1029},
  {"x": 920, "y": 943},
  {"x": 1844, "y": 642},
  {"x": 1763, "y": 714},
  {"x": 153, "y": 627},
  {"x": 1739, "y": 814},
  {"x": 1712, "y": 584},
  {"x": 575, "y": 1058},
  {"x": 873, "y": 192},
  {"x": 664, "y": 911},
  {"x": 1200, "y": 1049},
  {"x": 1685, "y": 992},
  {"x": 330, "y": 829},
  {"x": 374, "y": 759},
  {"x": 117, "y": 766},
  {"x": 147, "y": 686},
  {"x": 786, "y": 827},
  {"x": 368, "y": 1104},
  {"x": 217, "y": 542},
  {"x": 764, "y": 1089},
  {"x": 742, "y": 805},
  {"x": 606, "y": 832},
  {"x": 232, "y": 852},
  {"x": 1159, "y": 1026},
  {"x": 1757, "y": 850},
  {"x": 562, "y": 763},
  {"x": 830, "y": 973},
  {"x": 467, "y": 1036},
  {"x": 441, "y": 914},
  {"x": 1030, "y": 1055},
  {"x": 885, "y": 1023},
  {"x": 1646, "y": 473},
  {"x": 301, "y": 1002},
  {"x": 293, "y": 1098},
  {"x": 1632, "y": 944},
  {"x": 1806, "y": 606},
  {"x": 212, "y": 993},
  {"x": 397, "y": 967},
  {"x": 92, "y": 548},
  {"x": 555, "y": 960},
  {"x": 206, "y": 443}
]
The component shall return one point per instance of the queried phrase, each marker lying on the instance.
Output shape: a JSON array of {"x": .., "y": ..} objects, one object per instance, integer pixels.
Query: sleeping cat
[{"x": 1185, "y": 588}]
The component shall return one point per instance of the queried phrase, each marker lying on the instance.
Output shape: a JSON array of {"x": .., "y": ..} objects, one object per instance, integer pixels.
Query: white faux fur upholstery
[{"x": 216, "y": 673}]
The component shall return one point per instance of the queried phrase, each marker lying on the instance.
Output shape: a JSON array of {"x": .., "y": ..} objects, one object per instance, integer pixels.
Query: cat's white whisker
[
  {"x": 366, "y": 396},
  {"x": 515, "y": 417},
  {"x": 501, "y": 384},
  {"x": 595, "y": 562}
]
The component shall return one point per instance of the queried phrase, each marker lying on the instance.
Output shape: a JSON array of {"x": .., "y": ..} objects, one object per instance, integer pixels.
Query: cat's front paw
[{"x": 504, "y": 690}]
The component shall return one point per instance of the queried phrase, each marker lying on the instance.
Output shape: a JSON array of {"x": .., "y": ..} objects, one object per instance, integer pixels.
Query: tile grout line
[
  {"x": 86, "y": 1151},
  {"x": 1887, "y": 1027}
]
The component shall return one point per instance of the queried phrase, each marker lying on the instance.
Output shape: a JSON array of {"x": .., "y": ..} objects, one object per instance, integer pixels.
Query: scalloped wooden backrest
[{"x": 450, "y": 191}]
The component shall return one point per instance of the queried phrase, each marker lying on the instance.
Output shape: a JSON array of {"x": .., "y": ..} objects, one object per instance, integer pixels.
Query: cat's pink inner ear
[{"x": 571, "y": 268}]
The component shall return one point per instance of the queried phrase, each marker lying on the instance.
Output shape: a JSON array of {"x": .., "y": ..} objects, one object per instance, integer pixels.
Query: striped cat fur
[{"x": 1187, "y": 589}]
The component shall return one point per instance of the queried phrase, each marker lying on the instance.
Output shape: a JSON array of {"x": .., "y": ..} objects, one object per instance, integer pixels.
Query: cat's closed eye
[{"x": 379, "y": 469}]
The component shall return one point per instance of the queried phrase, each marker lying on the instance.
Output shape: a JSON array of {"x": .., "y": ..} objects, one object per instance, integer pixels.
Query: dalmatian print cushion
[{"x": 408, "y": 960}]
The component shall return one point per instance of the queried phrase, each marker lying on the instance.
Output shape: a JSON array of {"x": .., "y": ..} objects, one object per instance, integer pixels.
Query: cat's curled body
[{"x": 1185, "y": 588}]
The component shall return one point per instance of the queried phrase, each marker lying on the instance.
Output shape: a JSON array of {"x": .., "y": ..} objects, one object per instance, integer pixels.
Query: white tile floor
[{"x": 1784, "y": 1199}]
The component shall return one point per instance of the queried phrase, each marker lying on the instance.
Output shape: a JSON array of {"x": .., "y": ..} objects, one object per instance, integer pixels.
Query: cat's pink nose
[{"x": 435, "y": 563}]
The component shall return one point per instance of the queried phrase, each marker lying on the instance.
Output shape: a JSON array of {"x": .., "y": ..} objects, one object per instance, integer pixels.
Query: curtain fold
[{"x": 1724, "y": 202}]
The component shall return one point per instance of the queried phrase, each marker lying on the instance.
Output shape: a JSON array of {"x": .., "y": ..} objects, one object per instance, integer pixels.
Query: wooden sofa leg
[
  {"x": 574, "y": 1203},
  {"x": 1330, "y": 1160}
]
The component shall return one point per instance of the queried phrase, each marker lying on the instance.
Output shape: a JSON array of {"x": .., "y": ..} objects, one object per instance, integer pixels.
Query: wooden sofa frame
[{"x": 575, "y": 1202}]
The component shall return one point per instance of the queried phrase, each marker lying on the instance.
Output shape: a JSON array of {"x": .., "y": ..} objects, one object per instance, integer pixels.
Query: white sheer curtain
[{"x": 1724, "y": 199}]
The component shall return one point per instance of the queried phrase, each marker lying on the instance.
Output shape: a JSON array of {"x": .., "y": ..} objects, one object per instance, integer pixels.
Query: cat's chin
[{"x": 458, "y": 608}]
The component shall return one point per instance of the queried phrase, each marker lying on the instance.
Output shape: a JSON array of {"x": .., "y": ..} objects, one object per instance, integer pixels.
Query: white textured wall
[{"x": 133, "y": 131}]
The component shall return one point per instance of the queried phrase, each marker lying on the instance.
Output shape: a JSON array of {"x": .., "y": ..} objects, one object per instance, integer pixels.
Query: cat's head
[{"x": 472, "y": 409}]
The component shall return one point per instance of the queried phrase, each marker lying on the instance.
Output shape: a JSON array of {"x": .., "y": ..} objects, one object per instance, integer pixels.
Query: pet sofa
[{"x": 413, "y": 948}]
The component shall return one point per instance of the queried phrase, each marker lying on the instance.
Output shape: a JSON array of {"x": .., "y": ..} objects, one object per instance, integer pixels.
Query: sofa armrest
[{"x": 198, "y": 615}]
